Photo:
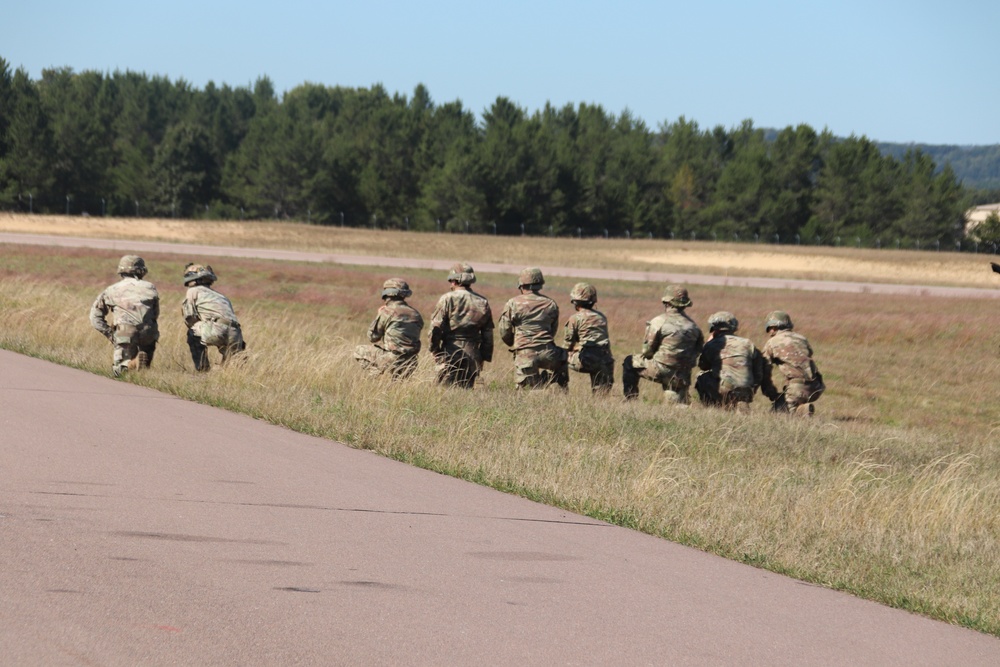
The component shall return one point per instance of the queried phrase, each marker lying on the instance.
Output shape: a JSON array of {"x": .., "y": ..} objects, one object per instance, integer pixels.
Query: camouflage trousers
[
  {"x": 134, "y": 348},
  {"x": 228, "y": 338},
  {"x": 540, "y": 367},
  {"x": 715, "y": 393},
  {"x": 596, "y": 362},
  {"x": 459, "y": 364},
  {"x": 378, "y": 361},
  {"x": 675, "y": 381},
  {"x": 797, "y": 394}
]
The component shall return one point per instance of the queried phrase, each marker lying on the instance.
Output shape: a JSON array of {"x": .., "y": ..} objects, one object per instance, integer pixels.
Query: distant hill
[{"x": 975, "y": 166}]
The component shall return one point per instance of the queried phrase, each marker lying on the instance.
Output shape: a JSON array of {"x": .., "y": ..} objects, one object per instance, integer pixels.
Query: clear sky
[{"x": 915, "y": 71}]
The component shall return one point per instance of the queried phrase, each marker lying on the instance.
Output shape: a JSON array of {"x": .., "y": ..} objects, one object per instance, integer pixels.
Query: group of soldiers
[
  {"x": 134, "y": 306},
  {"x": 462, "y": 332},
  {"x": 461, "y": 341}
]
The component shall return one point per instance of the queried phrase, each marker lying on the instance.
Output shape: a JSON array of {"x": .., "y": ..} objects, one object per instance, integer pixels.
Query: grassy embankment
[{"x": 891, "y": 492}]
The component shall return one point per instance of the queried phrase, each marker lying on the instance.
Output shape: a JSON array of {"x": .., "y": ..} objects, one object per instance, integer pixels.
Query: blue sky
[{"x": 918, "y": 71}]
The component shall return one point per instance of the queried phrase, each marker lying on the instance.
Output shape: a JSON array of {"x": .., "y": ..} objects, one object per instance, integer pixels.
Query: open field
[
  {"x": 801, "y": 262},
  {"x": 891, "y": 492}
]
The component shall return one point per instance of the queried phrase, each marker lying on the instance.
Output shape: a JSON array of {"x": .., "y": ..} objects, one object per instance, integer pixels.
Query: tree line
[{"x": 129, "y": 144}]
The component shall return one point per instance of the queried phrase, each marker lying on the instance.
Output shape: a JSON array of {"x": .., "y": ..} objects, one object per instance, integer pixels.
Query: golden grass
[
  {"x": 747, "y": 259},
  {"x": 891, "y": 492}
]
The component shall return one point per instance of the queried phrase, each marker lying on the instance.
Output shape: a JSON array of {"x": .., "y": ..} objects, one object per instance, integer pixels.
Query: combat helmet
[
  {"x": 531, "y": 277},
  {"x": 583, "y": 293},
  {"x": 676, "y": 296},
  {"x": 395, "y": 288},
  {"x": 723, "y": 321},
  {"x": 778, "y": 319},
  {"x": 462, "y": 274},
  {"x": 132, "y": 265},
  {"x": 198, "y": 274}
]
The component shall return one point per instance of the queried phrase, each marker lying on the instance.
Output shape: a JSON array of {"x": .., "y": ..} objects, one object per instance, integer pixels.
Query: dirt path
[
  {"x": 590, "y": 273},
  {"x": 138, "y": 528}
]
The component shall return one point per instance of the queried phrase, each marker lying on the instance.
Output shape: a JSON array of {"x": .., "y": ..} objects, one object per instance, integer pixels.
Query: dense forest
[{"x": 129, "y": 144}]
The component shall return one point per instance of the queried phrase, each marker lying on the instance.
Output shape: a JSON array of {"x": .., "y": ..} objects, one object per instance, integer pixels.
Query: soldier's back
[
  {"x": 403, "y": 326},
  {"x": 681, "y": 339},
  {"x": 133, "y": 300},
  {"x": 535, "y": 318}
]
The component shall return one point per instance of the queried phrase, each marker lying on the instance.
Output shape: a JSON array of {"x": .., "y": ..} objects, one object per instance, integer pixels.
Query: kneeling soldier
[
  {"x": 528, "y": 325},
  {"x": 395, "y": 334},
  {"x": 210, "y": 318},
  {"x": 732, "y": 367},
  {"x": 587, "y": 340},
  {"x": 669, "y": 352},
  {"x": 135, "y": 306},
  {"x": 791, "y": 354}
]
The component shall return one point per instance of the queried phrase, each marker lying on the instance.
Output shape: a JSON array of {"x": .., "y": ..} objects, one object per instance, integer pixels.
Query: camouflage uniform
[
  {"x": 528, "y": 325},
  {"x": 461, "y": 336},
  {"x": 732, "y": 366},
  {"x": 791, "y": 354},
  {"x": 135, "y": 306},
  {"x": 587, "y": 341},
  {"x": 395, "y": 334},
  {"x": 669, "y": 352},
  {"x": 210, "y": 318}
]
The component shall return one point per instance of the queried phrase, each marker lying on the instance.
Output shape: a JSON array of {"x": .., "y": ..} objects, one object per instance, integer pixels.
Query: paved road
[
  {"x": 137, "y": 528},
  {"x": 443, "y": 265}
]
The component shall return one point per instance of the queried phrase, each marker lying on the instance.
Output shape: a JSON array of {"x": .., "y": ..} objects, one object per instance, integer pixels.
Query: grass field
[
  {"x": 805, "y": 262},
  {"x": 891, "y": 492}
]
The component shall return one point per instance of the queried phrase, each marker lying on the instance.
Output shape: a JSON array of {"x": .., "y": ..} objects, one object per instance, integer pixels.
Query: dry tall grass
[
  {"x": 891, "y": 492},
  {"x": 733, "y": 259}
]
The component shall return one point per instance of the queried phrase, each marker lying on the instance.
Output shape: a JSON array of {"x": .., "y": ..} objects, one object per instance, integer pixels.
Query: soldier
[
  {"x": 791, "y": 354},
  {"x": 732, "y": 367},
  {"x": 210, "y": 318},
  {"x": 395, "y": 334},
  {"x": 135, "y": 305},
  {"x": 669, "y": 351},
  {"x": 461, "y": 330},
  {"x": 587, "y": 340},
  {"x": 528, "y": 326}
]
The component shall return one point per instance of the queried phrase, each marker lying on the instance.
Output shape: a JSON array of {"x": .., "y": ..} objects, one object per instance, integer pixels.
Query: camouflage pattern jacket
[
  {"x": 673, "y": 340},
  {"x": 791, "y": 354},
  {"x": 397, "y": 328},
  {"x": 132, "y": 302},
  {"x": 586, "y": 328},
  {"x": 529, "y": 320},
  {"x": 204, "y": 304},
  {"x": 462, "y": 318},
  {"x": 734, "y": 360}
]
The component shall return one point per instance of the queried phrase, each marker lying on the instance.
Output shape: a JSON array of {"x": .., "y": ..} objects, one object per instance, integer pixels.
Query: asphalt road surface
[
  {"x": 131, "y": 246},
  {"x": 140, "y": 529}
]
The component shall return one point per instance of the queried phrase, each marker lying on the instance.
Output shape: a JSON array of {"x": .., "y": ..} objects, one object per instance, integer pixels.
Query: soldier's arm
[
  {"x": 766, "y": 382},
  {"x": 506, "y": 327},
  {"x": 570, "y": 333},
  {"x": 439, "y": 327},
  {"x": 98, "y": 315},
  {"x": 652, "y": 340},
  {"x": 189, "y": 309},
  {"x": 486, "y": 336},
  {"x": 554, "y": 326},
  {"x": 377, "y": 329}
]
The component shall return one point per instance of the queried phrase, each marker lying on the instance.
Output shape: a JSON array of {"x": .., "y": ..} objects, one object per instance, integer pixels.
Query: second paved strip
[{"x": 444, "y": 265}]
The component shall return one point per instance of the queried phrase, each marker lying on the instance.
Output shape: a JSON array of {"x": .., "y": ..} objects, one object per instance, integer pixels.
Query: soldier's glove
[{"x": 996, "y": 267}]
